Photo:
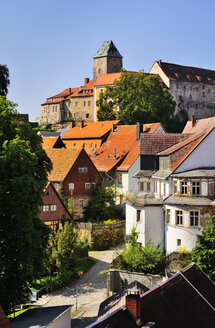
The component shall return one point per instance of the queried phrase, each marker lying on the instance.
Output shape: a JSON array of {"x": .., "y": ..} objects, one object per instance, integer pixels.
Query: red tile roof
[
  {"x": 62, "y": 160},
  {"x": 200, "y": 125},
  {"x": 60, "y": 96},
  {"x": 49, "y": 142},
  {"x": 81, "y": 92},
  {"x": 187, "y": 73},
  {"x": 107, "y": 79},
  {"x": 89, "y": 145},
  {"x": 131, "y": 157},
  {"x": 90, "y": 130},
  {"x": 117, "y": 146}
]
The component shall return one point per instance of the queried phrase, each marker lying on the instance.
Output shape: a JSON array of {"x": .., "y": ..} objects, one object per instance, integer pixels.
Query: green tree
[
  {"x": 101, "y": 205},
  {"x": 203, "y": 254},
  {"x": 24, "y": 166},
  {"x": 106, "y": 107},
  {"x": 140, "y": 97},
  {"x": 146, "y": 259},
  {"x": 4, "y": 80}
]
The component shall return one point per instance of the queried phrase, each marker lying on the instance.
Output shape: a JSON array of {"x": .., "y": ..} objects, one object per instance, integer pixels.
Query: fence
[{"x": 101, "y": 236}]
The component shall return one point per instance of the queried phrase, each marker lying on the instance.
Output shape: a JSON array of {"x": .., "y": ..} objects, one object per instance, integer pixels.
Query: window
[
  {"x": 138, "y": 215},
  {"x": 148, "y": 185},
  {"x": 76, "y": 104},
  {"x": 87, "y": 185},
  {"x": 88, "y": 103},
  {"x": 197, "y": 89},
  {"x": 82, "y": 170},
  {"x": 196, "y": 188},
  {"x": 71, "y": 186},
  {"x": 178, "y": 242},
  {"x": 101, "y": 90},
  {"x": 184, "y": 187},
  {"x": 87, "y": 115},
  {"x": 203, "y": 87},
  {"x": 56, "y": 185},
  {"x": 85, "y": 103},
  {"x": 203, "y": 94},
  {"x": 53, "y": 207},
  {"x": 179, "y": 217},
  {"x": 168, "y": 216},
  {"x": 194, "y": 218},
  {"x": 184, "y": 87},
  {"x": 141, "y": 186},
  {"x": 81, "y": 202},
  {"x": 120, "y": 178},
  {"x": 45, "y": 208},
  {"x": 209, "y": 90}
]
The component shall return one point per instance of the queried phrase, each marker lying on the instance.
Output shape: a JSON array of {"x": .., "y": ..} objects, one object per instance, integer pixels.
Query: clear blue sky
[{"x": 48, "y": 45}]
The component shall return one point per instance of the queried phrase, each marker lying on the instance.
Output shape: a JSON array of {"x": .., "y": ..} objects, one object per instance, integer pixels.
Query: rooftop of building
[
  {"x": 108, "y": 49},
  {"x": 62, "y": 160},
  {"x": 87, "y": 130},
  {"x": 187, "y": 73}
]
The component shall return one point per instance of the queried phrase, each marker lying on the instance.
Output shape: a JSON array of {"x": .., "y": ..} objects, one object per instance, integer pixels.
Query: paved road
[{"x": 92, "y": 290}]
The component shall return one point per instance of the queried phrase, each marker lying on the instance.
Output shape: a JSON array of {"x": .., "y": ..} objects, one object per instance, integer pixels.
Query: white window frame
[
  {"x": 195, "y": 187},
  {"x": 87, "y": 185},
  {"x": 184, "y": 187},
  {"x": 71, "y": 186},
  {"x": 53, "y": 207},
  {"x": 57, "y": 186},
  {"x": 45, "y": 208},
  {"x": 82, "y": 170}
]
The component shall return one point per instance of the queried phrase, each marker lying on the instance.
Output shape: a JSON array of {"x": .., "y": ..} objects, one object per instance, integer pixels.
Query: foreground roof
[
  {"x": 62, "y": 160},
  {"x": 90, "y": 130},
  {"x": 184, "y": 300},
  {"x": 200, "y": 126},
  {"x": 108, "y": 49},
  {"x": 187, "y": 73},
  {"x": 39, "y": 317}
]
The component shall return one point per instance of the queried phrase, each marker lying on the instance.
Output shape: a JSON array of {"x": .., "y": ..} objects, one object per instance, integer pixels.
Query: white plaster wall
[
  {"x": 132, "y": 171},
  {"x": 202, "y": 156},
  {"x": 186, "y": 233},
  {"x": 157, "y": 70},
  {"x": 150, "y": 226},
  {"x": 204, "y": 188}
]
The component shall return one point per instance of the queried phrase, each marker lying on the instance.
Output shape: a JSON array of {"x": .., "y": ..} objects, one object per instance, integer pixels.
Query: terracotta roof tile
[
  {"x": 131, "y": 157},
  {"x": 62, "y": 160},
  {"x": 49, "y": 142},
  {"x": 200, "y": 125},
  {"x": 64, "y": 93},
  {"x": 188, "y": 73},
  {"x": 89, "y": 145},
  {"x": 107, "y": 79},
  {"x": 90, "y": 130},
  {"x": 81, "y": 91},
  {"x": 117, "y": 146}
]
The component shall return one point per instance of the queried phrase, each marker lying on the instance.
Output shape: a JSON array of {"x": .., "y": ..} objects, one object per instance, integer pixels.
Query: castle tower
[{"x": 107, "y": 60}]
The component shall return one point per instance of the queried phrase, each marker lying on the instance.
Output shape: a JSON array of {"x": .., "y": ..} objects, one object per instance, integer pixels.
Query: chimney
[
  {"x": 70, "y": 91},
  {"x": 159, "y": 62},
  {"x": 133, "y": 304},
  {"x": 86, "y": 80},
  {"x": 139, "y": 129},
  {"x": 82, "y": 124},
  {"x": 72, "y": 124},
  {"x": 193, "y": 121}
]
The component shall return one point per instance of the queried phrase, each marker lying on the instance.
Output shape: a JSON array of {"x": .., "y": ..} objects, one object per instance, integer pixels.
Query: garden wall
[
  {"x": 101, "y": 236},
  {"x": 117, "y": 276}
]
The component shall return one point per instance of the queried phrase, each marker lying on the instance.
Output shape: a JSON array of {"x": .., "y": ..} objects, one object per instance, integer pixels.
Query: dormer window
[{"x": 184, "y": 187}]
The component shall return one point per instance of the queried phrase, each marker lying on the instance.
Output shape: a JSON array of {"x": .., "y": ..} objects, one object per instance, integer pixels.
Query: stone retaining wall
[
  {"x": 116, "y": 276},
  {"x": 102, "y": 236}
]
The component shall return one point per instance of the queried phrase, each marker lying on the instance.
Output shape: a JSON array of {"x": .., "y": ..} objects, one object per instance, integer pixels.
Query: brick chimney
[
  {"x": 193, "y": 121},
  {"x": 159, "y": 62},
  {"x": 133, "y": 305},
  {"x": 86, "y": 80},
  {"x": 72, "y": 124}
]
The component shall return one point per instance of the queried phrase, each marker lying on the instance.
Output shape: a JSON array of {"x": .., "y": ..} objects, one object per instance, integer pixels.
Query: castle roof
[
  {"x": 108, "y": 49},
  {"x": 187, "y": 73}
]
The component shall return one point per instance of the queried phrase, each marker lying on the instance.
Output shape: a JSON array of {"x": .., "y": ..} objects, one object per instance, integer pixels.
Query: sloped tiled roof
[
  {"x": 117, "y": 146},
  {"x": 60, "y": 96},
  {"x": 89, "y": 145},
  {"x": 81, "y": 92},
  {"x": 49, "y": 142},
  {"x": 200, "y": 126},
  {"x": 62, "y": 160},
  {"x": 187, "y": 73},
  {"x": 153, "y": 143},
  {"x": 90, "y": 130},
  {"x": 4, "y": 322},
  {"x": 131, "y": 157},
  {"x": 107, "y": 79},
  {"x": 108, "y": 49}
]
